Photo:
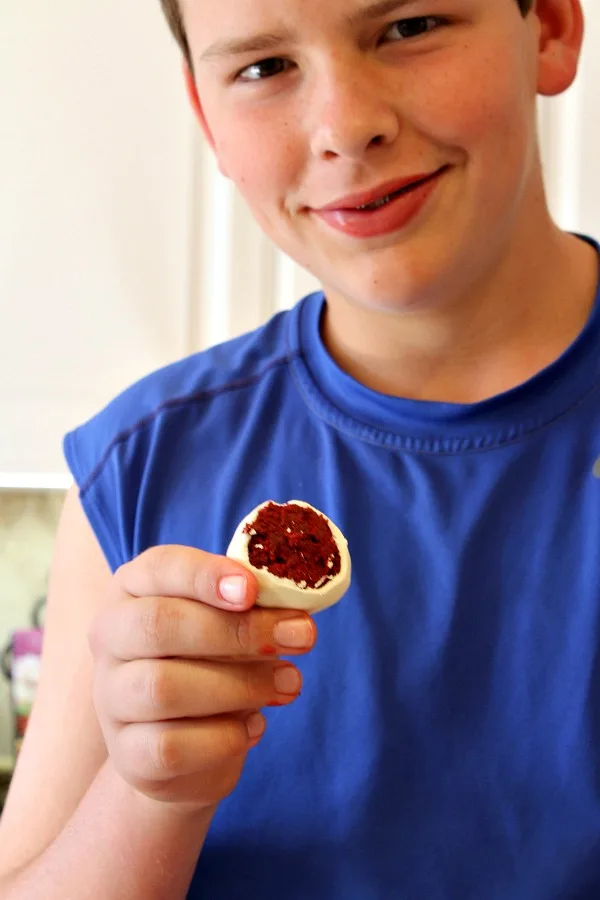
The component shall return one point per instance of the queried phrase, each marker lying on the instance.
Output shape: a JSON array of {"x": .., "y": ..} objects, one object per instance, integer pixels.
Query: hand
[{"x": 183, "y": 661}]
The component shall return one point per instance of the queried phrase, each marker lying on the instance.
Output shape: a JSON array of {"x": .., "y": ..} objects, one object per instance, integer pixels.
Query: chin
[
  {"x": 403, "y": 283},
  {"x": 384, "y": 298}
]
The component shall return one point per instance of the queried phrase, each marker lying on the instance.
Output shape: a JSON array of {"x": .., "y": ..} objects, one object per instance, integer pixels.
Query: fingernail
[
  {"x": 232, "y": 589},
  {"x": 255, "y": 725},
  {"x": 287, "y": 680},
  {"x": 294, "y": 633}
]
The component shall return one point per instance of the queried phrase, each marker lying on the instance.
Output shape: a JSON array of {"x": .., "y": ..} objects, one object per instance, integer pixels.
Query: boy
[{"x": 439, "y": 402}]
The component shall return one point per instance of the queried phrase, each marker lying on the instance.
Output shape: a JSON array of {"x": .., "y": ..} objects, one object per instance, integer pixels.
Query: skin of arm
[{"x": 92, "y": 836}]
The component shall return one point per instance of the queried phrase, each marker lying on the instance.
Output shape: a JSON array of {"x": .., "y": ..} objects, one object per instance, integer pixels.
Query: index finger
[{"x": 172, "y": 570}]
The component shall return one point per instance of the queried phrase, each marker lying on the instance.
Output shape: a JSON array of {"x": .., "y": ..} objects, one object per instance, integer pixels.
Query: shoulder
[{"x": 215, "y": 377}]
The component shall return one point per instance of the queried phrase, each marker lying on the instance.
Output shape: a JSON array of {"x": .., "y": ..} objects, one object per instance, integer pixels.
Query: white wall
[
  {"x": 570, "y": 134},
  {"x": 95, "y": 194}
]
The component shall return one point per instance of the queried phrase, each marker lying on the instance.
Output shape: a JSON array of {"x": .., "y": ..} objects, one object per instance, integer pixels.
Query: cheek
[
  {"x": 240, "y": 161},
  {"x": 484, "y": 118},
  {"x": 263, "y": 162},
  {"x": 266, "y": 167}
]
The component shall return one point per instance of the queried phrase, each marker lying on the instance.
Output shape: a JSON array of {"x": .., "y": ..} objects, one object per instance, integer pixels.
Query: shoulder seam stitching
[{"x": 175, "y": 402}]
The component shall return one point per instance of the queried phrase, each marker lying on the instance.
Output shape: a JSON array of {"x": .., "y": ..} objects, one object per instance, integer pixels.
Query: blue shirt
[{"x": 446, "y": 745}]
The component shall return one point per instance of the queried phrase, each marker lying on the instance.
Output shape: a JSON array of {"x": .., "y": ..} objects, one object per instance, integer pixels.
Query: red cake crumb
[{"x": 293, "y": 542}]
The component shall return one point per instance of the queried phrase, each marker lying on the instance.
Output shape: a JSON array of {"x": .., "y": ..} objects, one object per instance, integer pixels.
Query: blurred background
[{"x": 122, "y": 249}]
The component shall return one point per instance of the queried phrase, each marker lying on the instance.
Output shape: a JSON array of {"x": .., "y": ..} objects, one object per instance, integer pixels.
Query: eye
[
  {"x": 410, "y": 28},
  {"x": 265, "y": 68}
]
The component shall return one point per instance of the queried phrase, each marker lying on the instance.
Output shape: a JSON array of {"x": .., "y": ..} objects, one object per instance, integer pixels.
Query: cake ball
[{"x": 299, "y": 557}]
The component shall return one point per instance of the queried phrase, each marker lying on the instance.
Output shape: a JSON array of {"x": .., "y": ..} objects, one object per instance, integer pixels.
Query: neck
[{"x": 499, "y": 332}]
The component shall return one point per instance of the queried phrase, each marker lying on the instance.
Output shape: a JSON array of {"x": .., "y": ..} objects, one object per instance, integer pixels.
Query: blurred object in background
[
  {"x": 28, "y": 524},
  {"x": 21, "y": 666}
]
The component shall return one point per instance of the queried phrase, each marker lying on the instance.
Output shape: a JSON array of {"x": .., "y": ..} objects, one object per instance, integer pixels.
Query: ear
[
  {"x": 192, "y": 92},
  {"x": 560, "y": 26}
]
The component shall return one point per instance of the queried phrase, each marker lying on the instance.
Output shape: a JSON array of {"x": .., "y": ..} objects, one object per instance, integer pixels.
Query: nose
[{"x": 352, "y": 112}]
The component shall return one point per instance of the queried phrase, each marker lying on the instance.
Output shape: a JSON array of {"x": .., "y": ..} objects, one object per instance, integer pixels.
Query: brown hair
[{"x": 174, "y": 18}]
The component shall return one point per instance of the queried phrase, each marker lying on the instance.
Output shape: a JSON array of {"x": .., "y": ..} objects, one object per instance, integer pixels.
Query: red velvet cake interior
[{"x": 294, "y": 542}]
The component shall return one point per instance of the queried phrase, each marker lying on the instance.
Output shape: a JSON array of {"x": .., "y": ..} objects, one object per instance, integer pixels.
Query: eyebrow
[
  {"x": 375, "y": 10},
  {"x": 260, "y": 43},
  {"x": 263, "y": 43}
]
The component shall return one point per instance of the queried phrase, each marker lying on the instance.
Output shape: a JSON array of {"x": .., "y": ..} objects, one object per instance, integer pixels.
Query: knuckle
[
  {"x": 166, "y": 751},
  {"x": 144, "y": 570},
  {"x": 154, "y": 558},
  {"x": 203, "y": 581},
  {"x": 234, "y": 737},
  {"x": 243, "y": 633},
  {"x": 194, "y": 571},
  {"x": 159, "y": 623},
  {"x": 126, "y": 576},
  {"x": 252, "y": 686},
  {"x": 159, "y": 689},
  {"x": 147, "y": 752},
  {"x": 251, "y": 631}
]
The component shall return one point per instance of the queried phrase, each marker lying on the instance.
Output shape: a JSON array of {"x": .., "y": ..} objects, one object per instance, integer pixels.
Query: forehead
[
  {"x": 213, "y": 27},
  {"x": 203, "y": 17}
]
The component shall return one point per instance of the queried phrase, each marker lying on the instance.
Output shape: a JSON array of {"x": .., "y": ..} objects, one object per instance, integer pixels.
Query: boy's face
[{"x": 351, "y": 96}]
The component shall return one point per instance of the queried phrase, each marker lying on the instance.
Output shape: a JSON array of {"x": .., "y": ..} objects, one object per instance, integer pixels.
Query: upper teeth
[{"x": 377, "y": 203}]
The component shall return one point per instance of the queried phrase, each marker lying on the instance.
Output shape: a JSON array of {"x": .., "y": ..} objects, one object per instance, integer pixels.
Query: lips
[
  {"x": 387, "y": 209},
  {"x": 384, "y": 191}
]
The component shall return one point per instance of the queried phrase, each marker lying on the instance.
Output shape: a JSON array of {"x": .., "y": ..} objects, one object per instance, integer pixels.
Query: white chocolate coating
[{"x": 283, "y": 593}]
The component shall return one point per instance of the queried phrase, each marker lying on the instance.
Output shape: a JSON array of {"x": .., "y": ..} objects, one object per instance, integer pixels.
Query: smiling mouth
[{"x": 383, "y": 201}]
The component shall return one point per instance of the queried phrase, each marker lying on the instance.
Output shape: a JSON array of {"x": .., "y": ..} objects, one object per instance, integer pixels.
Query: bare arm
[
  {"x": 118, "y": 845},
  {"x": 72, "y": 827},
  {"x": 151, "y": 684}
]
